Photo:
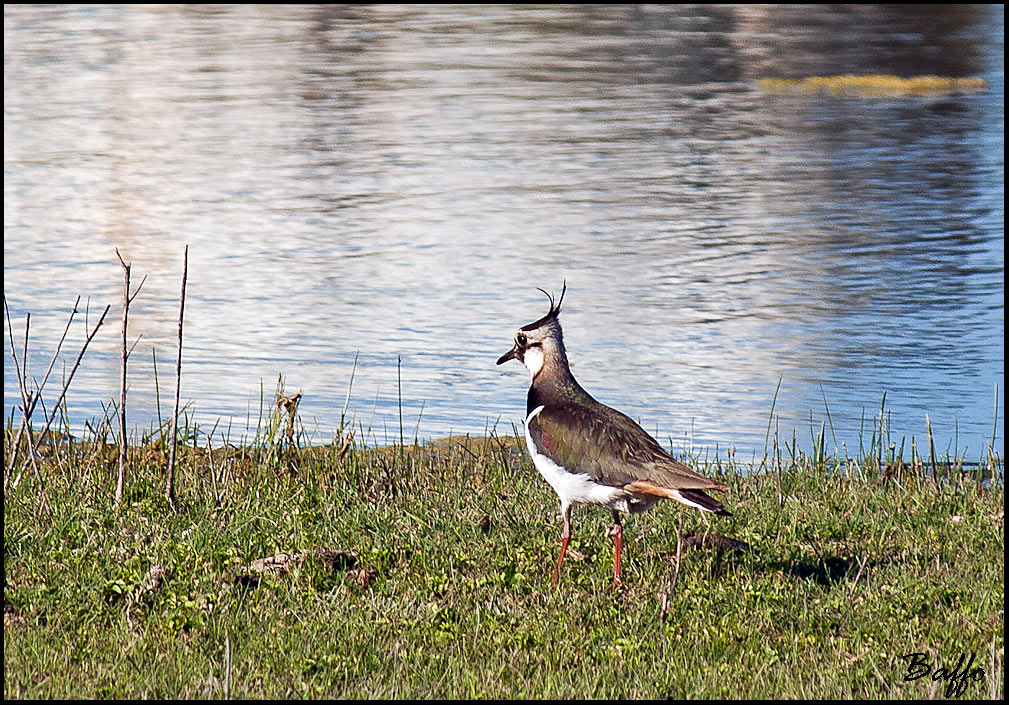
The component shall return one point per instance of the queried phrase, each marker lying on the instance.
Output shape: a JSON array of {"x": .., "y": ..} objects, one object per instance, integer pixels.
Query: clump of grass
[{"x": 422, "y": 571}]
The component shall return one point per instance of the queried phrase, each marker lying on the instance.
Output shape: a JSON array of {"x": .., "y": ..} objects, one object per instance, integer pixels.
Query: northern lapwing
[{"x": 588, "y": 452}]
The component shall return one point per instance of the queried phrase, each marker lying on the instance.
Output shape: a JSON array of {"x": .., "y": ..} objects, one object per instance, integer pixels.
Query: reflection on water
[{"x": 376, "y": 183}]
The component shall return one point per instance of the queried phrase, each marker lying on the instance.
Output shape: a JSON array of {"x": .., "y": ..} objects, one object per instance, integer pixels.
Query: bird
[{"x": 590, "y": 453}]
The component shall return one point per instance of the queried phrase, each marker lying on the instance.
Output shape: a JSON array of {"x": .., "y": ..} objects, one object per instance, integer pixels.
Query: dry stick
[
  {"x": 24, "y": 411},
  {"x": 34, "y": 446},
  {"x": 127, "y": 299},
  {"x": 27, "y": 412},
  {"x": 26, "y": 406},
  {"x": 122, "y": 384},
  {"x": 66, "y": 385},
  {"x": 170, "y": 482},
  {"x": 24, "y": 350}
]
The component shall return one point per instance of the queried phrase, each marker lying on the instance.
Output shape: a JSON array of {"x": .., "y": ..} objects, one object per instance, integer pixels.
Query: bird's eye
[{"x": 521, "y": 340}]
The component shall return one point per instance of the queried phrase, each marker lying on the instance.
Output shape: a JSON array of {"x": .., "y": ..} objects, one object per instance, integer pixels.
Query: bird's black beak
[{"x": 513, "y": 354}]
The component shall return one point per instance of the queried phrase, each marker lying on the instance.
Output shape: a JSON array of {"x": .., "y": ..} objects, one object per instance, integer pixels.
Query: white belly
[{"x": 574, "y": 487}]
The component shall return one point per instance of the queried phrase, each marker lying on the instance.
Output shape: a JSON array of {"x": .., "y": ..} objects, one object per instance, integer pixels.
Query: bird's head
[{"x": 542, "y": 339}]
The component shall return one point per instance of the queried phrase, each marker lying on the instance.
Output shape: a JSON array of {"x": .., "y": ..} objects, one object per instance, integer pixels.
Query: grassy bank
[{"x": 424, "y": 572}]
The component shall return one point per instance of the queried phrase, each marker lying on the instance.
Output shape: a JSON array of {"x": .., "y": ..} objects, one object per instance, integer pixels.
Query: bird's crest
[{"x": 555, "y": 308}]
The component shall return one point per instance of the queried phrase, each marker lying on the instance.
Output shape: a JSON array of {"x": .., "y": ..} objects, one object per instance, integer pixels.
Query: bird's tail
[
  {"x": 698, "y": 499},
  {"x": 692, "y": 498}
]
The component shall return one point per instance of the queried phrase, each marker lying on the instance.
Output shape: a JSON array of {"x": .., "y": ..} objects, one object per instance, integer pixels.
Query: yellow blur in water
[{"x": 874, "y": 85}]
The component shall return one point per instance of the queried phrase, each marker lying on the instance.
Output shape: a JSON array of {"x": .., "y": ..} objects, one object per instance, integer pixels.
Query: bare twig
[
  {"x": 26, "y": 406},
  {"x": 52, "y": 362},
  {"x": 26, "y": 415},
  {"x": 24, "y": 350},
  {"x": 127, "y": 299},
  {"x": 24, "y": 411},
  {"x": 170, "y": 482},
  {"x": 122, "y": 383},
  {"x": 35, "y": 443},
  {"x": 70, "y": 377}
]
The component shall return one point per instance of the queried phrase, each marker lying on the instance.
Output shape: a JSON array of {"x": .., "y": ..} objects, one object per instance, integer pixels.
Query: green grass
[{"x": 423, "y": 571}]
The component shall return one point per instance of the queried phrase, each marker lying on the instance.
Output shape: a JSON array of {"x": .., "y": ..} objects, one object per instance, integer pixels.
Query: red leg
[
  {"x": 618, "y": 535},
  {"x": 560, "y": 559},
  {"x": 565, "y": 537}
]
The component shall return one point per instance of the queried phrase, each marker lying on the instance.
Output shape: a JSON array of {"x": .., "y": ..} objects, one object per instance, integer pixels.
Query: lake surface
[{"x": 372, "y": 195}]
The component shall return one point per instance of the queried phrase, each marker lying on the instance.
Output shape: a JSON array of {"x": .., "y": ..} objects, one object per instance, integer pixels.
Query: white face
[{"x": 532, "y": 358}]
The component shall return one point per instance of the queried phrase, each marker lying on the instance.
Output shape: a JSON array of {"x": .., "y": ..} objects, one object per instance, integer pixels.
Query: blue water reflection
[{"x": 373, "y": 184}]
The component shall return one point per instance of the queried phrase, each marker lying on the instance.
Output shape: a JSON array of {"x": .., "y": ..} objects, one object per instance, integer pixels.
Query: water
[{"x": 386, "y": 188}]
